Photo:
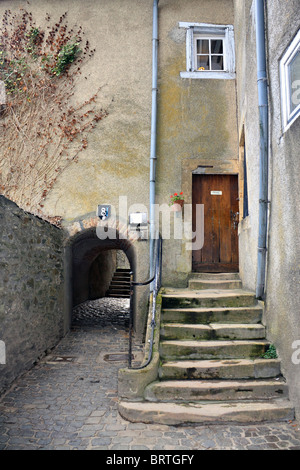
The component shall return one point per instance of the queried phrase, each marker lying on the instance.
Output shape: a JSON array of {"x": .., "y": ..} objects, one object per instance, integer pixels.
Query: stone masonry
[{"x": 31, "y": 289}]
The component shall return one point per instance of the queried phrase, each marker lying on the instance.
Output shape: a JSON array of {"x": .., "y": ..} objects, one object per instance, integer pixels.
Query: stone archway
[{"x": 90, "y": 261}]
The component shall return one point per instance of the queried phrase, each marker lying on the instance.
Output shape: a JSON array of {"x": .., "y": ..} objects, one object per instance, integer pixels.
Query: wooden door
[{"x": 219, "y": 195}]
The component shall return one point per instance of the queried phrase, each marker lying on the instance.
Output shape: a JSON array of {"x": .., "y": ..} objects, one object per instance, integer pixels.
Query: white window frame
[
  {"x": 288, "y": 116},
  {"x": 196, "y": 37},
  {"x": 209, "y": 31}
]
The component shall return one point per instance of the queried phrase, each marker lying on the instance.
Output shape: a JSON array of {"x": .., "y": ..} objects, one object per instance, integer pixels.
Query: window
[
  {"x": 209, "y": 51},
  {"x": 290, "y": 83}
]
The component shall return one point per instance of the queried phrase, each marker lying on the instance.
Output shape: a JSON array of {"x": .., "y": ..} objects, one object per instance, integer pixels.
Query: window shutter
[
  {"x": 189, "y": 49},
  {"x": 229, "y": 47}
]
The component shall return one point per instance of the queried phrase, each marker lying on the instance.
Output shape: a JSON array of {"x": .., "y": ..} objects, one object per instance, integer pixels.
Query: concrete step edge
[
  {"x": 214, "y": 276},
  {"x": 215, "y": 390},
  {"x": 218, "y": 331},
  {"x": 220, "y": 349},
  {"x": 215, "y": 284},
  {"x": 207, "y": 369},
  {"x": 188, "y": 298},
  {"x": 210, "y": 413}
]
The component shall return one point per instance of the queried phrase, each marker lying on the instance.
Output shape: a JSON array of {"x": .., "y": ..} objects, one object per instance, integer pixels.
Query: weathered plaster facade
[
  {"x": 196, "y": 118},
  {"x": 202, "y": 123},
  {"x": 282, "y": 303}
]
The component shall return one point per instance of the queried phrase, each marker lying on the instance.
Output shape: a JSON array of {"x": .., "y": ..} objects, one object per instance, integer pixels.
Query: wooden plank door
[{"x": 219, "y": 195}]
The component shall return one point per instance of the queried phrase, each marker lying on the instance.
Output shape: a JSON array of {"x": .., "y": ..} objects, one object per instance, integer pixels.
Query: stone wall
[{"x": 31, "y": 289}]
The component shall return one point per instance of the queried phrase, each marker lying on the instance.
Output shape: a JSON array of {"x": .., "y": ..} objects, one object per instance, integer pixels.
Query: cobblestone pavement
[{"x": 69, "y": 400}]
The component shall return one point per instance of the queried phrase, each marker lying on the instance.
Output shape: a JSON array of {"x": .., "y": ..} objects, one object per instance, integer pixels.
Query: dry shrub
[{"x": 42, "y": 131}]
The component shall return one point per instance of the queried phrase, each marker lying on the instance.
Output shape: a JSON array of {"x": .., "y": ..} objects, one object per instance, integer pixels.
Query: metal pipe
[
  {"x": 153, "y": 134},
  {"x": 264, "y": 144},
  {"x": 157, "y": 284}
]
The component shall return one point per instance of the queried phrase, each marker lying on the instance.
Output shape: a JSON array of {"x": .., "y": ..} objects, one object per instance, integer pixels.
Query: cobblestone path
[{"x": 69, "y": 399}]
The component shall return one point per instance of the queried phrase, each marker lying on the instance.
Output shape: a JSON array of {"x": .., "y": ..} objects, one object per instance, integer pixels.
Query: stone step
[
  {"x": 118, "y": 295},
  {"x": 186, "y": 298},
  {"x": 179, "y": 349},
  {"x": 214, "y": 284},
  {"x": 122, "y": 282},
  {"x": 220, "y": 369},
  {"x": 121, "y": 277},
  {"x": 213, "y": 315},
  {"x": 214, "y": 276},
  {"x": 224, "y": 390},
  {"x": 119, "y": 289},
  {"x": 173, "y": 331},
  {"x": 206, "y": 413}
]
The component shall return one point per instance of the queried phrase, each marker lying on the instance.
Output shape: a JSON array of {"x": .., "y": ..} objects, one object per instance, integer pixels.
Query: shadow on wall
[{"x": 94, "y": 262}]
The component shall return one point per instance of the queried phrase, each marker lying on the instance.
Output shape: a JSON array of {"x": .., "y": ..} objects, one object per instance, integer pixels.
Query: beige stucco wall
[
  {"x": 282, "y": 302},
  {"x": 196, "y": 118},
  {"x": 247, "y": 100},
  {"x": 283, "y": 275}
]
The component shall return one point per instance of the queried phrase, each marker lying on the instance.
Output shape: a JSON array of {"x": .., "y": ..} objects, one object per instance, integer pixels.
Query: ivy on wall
[{"x": 42, "y": 128}]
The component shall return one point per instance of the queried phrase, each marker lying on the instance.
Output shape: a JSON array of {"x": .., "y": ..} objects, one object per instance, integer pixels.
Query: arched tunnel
[{"x": 92, "y": 264}]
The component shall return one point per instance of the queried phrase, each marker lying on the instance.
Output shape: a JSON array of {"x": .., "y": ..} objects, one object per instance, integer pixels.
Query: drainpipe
[
  {"x": 153, "y": 135},
  {"x": 264, "y": 142}
]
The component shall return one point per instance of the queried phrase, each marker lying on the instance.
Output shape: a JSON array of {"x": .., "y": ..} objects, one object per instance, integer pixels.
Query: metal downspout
[
  {"x": 264, "y": 143},
  {"x": 153, "y": 134}
]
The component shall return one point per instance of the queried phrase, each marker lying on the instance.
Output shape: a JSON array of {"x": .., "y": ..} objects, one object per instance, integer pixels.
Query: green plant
[
  {"x": 176, "y": 197},
  {"x": 270, "y": 353},
  {"x": 66, "y": 57}
]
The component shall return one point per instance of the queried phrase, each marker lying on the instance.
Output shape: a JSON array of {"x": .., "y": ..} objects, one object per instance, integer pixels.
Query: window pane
[
  {"x": 202, "y": 46},
  {"x": 294, "y": 69},
  {"x": 217, "y": 62},
  {"x": 203, "y": 62},
  {"x": 217, "y": 46}
]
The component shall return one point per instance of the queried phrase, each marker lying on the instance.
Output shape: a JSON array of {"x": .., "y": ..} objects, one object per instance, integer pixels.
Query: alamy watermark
[
  {"x": 188, "y": 224},
  {"x": 296, "y": 353},
  {"x": 2, "y": 353},
  {"x": 296, "y": 93}
]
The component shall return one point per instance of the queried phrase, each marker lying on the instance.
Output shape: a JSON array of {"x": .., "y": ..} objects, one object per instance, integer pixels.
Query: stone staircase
[
  {"x": 211, "y": 366},
  {"x": 120, "y": 284}
]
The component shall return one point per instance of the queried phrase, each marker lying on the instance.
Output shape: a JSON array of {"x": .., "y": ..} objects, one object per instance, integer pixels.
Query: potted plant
[{"x": 177, "y": 201}]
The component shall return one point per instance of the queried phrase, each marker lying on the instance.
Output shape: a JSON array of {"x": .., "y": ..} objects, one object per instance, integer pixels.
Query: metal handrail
[{"x": 157, "y": 282}]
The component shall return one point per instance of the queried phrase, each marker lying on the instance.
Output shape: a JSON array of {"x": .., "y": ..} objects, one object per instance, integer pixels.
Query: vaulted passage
[{"x": 99, "y": 279}]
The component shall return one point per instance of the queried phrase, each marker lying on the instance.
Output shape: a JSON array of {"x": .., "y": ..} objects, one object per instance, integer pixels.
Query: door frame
[{"x": 234, "y": 267}]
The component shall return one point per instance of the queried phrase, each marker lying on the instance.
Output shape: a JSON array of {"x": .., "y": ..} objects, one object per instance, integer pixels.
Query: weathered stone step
[
  {"x": 212, "y": 331},
  {"x": 119, "y": 289},
  {"x": 215, "y": 284},
  {"x": 206, "y": 413},
  {"x": 121, "y": 277},
  {"x": 214, "y": 276},
  {"x": 180, "y": 349},
  {"x": 220, "y": 369},
  {"x": 213, "y": 315},
  {"x": 117, "y": 295},
  {"x": 183, "y": 298},
  {"x": 197, "y": 390}
]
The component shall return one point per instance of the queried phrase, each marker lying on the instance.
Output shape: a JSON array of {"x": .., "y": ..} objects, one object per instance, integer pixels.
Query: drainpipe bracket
[{"x": 264, "y": 201}]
